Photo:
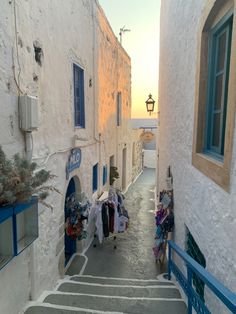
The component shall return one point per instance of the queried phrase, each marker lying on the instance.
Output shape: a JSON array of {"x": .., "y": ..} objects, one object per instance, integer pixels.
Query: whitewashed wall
[
  {"x": 150, "y": 158},
  {"x": 206, "y": 209},
  {"x": 114, "y": 72},
  {"x": 137, "y": 153},
  {"x": 69, "y": 32}
]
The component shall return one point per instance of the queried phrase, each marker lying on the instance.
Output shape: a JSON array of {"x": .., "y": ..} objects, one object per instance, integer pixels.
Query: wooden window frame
[{"x": 214, "y": 168}]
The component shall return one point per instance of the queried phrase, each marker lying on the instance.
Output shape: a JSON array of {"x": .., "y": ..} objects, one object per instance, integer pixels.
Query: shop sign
[{"x": 74, "y": 161}]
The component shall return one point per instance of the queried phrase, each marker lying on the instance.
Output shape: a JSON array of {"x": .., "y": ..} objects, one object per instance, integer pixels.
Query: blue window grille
[
  {"x": 95, "y": 178},
  {"x": 119, "y": 109},
  {"x": 194, "y": 251},
  {"x": 18, "y": 229},
  {"x": 104, "y": 176},
  {"x": 79, "y": 109},
  {"x": 218, "y": 76}
]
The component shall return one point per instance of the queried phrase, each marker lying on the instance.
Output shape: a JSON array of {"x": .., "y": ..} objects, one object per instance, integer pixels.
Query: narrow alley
[
  {"x": 121, "y": 279},
  {"x": 133, "y": 257}
]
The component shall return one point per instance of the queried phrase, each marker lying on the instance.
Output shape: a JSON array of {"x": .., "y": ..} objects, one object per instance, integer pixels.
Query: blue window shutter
[
  {"x": 79, "y": 96},
  {"x": 95, "y": 177},
  {"x": 104, "y": 179},
  {"x": 218, "y": 76}
]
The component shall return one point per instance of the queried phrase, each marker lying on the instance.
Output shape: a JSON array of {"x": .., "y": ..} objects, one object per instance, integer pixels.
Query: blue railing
[{"x": 194, "y": 301}]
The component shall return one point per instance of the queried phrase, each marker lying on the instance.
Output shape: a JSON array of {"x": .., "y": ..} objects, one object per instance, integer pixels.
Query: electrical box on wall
[{"x": 28, "y": 113}]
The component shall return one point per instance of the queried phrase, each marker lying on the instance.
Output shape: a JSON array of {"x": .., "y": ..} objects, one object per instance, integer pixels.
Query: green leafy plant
[
  {"x": 114, "y": 174},
  {"x": 19, "y": 180}
]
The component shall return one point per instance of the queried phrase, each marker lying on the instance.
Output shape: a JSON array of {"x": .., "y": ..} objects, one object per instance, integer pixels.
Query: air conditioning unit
[{"x": 28, "y": 113}]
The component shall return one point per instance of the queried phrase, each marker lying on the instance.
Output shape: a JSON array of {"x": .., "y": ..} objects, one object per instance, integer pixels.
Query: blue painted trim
[
  {"x": 95, "y": 178},
  {"x": 33, "y": 201},
  {"x": 222, "y": 292},
  {"x": 18, "y": 208},
  {"x": 225, "y": 25},
  {"x": 79, "y": 106},
  {"x": 11, "y": 213},
  {"x": 5, "y": 213},
  {"x": 104, "y": 175}
]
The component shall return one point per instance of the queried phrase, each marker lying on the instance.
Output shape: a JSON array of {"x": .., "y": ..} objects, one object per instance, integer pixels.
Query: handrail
[{"x": 223, "y": 293}]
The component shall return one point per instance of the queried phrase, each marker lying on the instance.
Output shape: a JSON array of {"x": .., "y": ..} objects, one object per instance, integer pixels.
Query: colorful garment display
[
  {"x": 109, "y": 216},
  {"x": 164, "y": 219},
  {"x": 76, "y": 212}
]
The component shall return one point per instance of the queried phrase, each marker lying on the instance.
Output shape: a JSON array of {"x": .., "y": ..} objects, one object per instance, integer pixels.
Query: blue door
[{"x": 70, "y": 244}]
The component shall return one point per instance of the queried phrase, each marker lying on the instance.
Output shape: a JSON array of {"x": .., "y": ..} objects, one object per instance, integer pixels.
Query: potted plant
[
  {"x": 19, "y": 181},
  {"x": 21, "y": 188}
]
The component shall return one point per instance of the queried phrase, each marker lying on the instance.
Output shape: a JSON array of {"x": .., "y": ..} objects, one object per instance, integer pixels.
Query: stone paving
[
  {"x": 133, "y": 257},
  {"x": 121, "y": 280}
]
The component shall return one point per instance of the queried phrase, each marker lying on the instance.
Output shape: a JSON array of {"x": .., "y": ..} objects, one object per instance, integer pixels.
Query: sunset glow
[{"x": 141, "y": 43}]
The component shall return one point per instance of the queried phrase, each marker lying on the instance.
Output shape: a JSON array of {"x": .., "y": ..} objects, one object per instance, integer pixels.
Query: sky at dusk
[{"x": 142, "y": 17}]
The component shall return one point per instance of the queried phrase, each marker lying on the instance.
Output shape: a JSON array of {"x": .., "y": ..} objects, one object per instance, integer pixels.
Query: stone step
[
  {"x": 39, "y": 309},
  {"x": 122, "y": 290},
  {"x": 120, "y": 281},
  {"x": 119, "y": 304}
]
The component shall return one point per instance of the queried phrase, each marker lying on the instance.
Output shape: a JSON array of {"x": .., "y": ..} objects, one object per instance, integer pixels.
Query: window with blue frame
[
  {"x": 104, "y": 175},
  {"x": 18, "y": 229},
  {"x": 119, "y": 109},
  {"x": 218, "y": 77},
  {"x": 79, "y": 110},
  {"x": 95, "y": 178}
]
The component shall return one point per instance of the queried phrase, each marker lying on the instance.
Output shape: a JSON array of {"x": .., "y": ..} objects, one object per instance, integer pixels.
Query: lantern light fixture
[{"x": 150, "y": 102}]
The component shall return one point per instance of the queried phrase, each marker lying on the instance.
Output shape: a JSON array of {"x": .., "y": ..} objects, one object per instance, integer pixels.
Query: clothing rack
[{"x": 108, "y": 213}]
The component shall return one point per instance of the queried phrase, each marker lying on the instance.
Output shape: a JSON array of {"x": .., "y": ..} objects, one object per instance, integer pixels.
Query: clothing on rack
[
  {"x": 164, "y": 219},
  {"x": 96, "y": 217},
  {"x": 109, "y": 215}
]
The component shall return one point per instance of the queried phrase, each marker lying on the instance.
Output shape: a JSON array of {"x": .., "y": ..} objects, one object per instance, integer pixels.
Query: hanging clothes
[
  {"x": 96, "y": 217},
  {"x": 105, "y": 219}
]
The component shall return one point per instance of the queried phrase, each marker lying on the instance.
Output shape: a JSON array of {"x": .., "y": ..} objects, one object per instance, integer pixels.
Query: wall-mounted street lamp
[{"x": 150, "y": 104}]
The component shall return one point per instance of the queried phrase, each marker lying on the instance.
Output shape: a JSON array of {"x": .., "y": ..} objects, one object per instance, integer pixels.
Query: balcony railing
[{"x": 194, "y": 301}]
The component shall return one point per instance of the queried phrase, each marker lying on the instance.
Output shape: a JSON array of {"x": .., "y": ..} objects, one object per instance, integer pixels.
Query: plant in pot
[
  {"x": 21, "y": 188},
  {"x": 19, "y": 181},
  {"x": 114, "y": 174}
]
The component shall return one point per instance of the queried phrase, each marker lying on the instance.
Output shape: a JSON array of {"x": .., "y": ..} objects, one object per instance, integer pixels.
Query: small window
[
  {"x": 18, "y": 229},
  {"x": 219, "y": 56},
  {"x": 95, "y": 178},
  {"x": 119, "y": 109},
  {"x": 26, "y": 226},
  {"x": 6, "y": 236},
  {"x": 104, "y": 175},
  {"x": 79, "y": 111}
]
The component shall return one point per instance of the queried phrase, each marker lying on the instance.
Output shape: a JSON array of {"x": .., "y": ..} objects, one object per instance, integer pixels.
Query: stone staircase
[{"x": 90, "y": 294}]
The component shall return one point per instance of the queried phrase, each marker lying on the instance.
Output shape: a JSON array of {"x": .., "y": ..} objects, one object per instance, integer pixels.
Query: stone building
[
  {"x": 64, "y": 58},
  {"x": 197, "y": 136}
]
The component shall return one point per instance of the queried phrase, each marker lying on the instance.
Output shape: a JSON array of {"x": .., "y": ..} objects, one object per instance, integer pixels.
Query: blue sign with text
[{"x": 74, "y": 161}]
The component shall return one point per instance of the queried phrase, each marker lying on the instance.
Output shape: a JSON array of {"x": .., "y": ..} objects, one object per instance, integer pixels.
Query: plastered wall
[
  {"x": 200, "y": 204},
  {"x": 68, "y": 32}
]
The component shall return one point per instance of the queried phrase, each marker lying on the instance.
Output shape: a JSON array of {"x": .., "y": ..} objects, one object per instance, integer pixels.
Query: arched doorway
[{"x": 70, "y": 244}]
